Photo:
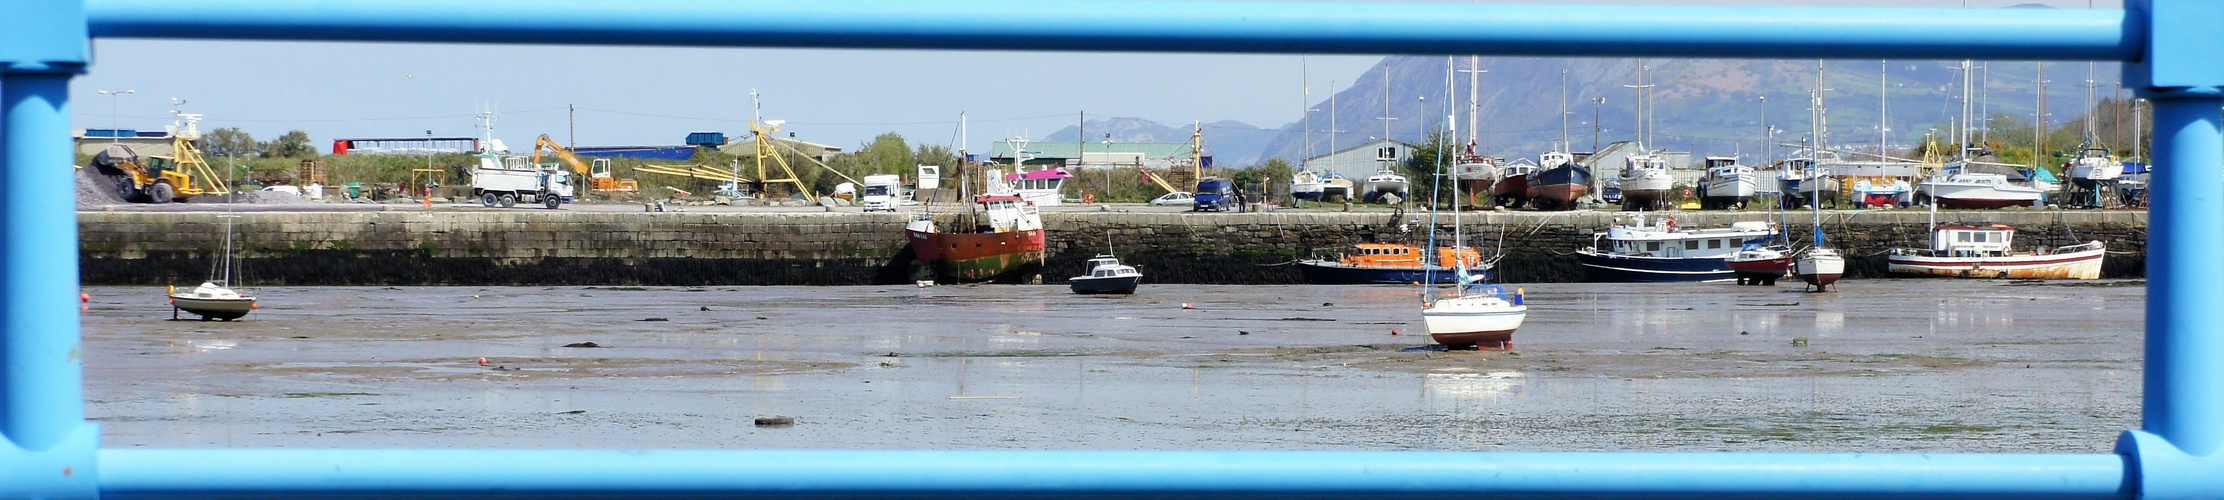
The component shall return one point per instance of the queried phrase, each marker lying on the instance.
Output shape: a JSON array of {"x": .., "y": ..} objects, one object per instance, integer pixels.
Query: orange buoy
[{"x": 482, "y": 361}]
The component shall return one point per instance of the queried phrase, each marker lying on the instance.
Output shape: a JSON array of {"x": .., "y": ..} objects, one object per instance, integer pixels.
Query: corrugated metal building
[{"x": 1357, "y": 162}]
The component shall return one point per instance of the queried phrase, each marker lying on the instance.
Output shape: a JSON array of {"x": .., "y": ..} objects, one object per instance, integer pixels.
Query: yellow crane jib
[{"x": 599, "y": 177}]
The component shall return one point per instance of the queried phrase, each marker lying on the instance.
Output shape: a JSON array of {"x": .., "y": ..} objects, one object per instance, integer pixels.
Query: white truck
[
  {"x": 506, "y": 180},
  {"x": 880, "y": 192}
]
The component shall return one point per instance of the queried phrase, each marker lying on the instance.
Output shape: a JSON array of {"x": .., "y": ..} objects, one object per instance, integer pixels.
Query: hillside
[
  {"x": 1229, "y": 142},
  {"x": 1706, "y": 106}
]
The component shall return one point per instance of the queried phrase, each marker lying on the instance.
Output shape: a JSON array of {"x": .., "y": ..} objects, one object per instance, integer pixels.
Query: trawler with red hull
[{"x": 1005, "y": 244}]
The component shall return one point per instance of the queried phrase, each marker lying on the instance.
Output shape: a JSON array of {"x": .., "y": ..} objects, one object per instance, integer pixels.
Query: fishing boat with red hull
[
  {"x": 1005, "y": 244},
  {"x": 1970, "y": 251}
]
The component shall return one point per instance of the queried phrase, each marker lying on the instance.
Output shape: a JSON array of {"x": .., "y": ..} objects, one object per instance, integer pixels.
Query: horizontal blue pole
[
  {"x": 1251, "y": 27},
  {"x": 396, "y": 473}
]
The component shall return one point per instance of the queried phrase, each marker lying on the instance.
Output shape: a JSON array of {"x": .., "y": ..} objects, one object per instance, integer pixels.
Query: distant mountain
[
  {"x": 1229, "y": 142},
  {"x": 1704, "y": 106}
]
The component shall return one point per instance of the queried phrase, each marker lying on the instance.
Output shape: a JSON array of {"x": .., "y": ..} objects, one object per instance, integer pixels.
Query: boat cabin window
[
  {"x": 1961, "y": 237},
  {"x": 1691, "y": 244},
  {"x": 1714, "y": 244},
  {"x": 1652, "y": 246}
]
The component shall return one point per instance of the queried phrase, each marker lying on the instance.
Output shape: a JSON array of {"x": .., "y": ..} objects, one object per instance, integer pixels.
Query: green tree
[
  {"x": 295, "y": 144},
  {"x": 1422, "y": 163},
  {"x": 229, "y": 141},
  {"x": 1274, "y": 175},
  {"x": 935, "y": 154},
  {"x": 886, "y": 154}
]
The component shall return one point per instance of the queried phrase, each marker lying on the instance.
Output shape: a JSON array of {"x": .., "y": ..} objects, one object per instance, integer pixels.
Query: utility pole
[
  {"x": 1595, "y": 103},
  {"x": 573, "y": 140}
]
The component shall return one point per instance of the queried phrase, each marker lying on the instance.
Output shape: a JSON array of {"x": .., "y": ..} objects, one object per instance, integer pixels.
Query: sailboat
[
  {"x": 214, "y": 299},
  {"x": 1820, "y": 266},
  {"x": 1472, "y": 315}
]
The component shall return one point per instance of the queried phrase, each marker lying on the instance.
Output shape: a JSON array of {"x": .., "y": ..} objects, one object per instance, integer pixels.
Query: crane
[{"x": 598, "y": 176}]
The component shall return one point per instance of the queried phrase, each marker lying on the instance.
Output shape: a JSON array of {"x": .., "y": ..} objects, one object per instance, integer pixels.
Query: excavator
[
  {"x": 598, "y": 176},
  {"x": 162, "y": 179}
]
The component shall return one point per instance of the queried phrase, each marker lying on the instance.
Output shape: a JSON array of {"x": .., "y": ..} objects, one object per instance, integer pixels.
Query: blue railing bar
[
  {"x": 1235, "y": 27},
  {"x": 42, "y": 386},
  {"x": 2184, "y": 375},
  {"x": 391, "y": 473}
]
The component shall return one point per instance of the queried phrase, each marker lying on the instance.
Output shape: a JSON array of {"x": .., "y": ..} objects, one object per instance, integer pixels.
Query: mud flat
[{"x": 1958, "y": 366}]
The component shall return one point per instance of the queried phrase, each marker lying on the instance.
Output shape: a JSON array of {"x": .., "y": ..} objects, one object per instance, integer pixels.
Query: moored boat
[
  {"x": 1755, "y": 264},
  {"x": 1006, "y": 243},
  {"x": 1638, "y": 251},
  {"x": 1820, "y": 268},
  {"x": 1477, "y": 316},
  {"x": 1383, "y": 182},
  {"x": 1988, "y": 252},
  {"x": 212, "y": 300},
  {"x": 1512, "y": 188},
  {"x": 1391, "y": 263},
  {"x": 1475, "y": 176},
  {"x": 1106, "y": 276}
]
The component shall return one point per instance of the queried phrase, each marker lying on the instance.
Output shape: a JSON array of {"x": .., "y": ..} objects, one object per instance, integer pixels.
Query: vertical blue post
[
  {"x": 2175, "y": 453},
  {"x": 2185, "y": 284},
  {"x": 48, "y": 450}
]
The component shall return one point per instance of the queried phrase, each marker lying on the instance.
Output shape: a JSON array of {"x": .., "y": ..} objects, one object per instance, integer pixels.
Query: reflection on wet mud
[{"x": 1882, "y": 365}]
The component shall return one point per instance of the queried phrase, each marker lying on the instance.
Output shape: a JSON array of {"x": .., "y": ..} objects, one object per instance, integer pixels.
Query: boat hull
[
  {"x": 1984, "y": 203},
  {"x": 1511, "y": 187},
  {"x": 1644, "y": 199},
  {"x": 977, "y": 257},
  {"x": 1608, "y": 268},
  {"x": 1820, "y": 272},
  {"x": 1120, "y": 285},
  {"x": 2081, "y": 265},
  {"x": 1460, "y": 325},
  {"x": 1765, "y": 270},
  {"x": 1336, "y": 273},
  {"x": 214, "y": 308}
]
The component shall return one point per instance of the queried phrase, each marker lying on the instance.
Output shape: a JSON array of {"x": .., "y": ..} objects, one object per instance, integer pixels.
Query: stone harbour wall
[{"x": 532, "y": 247}]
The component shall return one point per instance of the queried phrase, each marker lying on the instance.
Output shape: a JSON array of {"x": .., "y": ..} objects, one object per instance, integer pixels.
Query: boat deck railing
[{"x": 51, "y": 451}]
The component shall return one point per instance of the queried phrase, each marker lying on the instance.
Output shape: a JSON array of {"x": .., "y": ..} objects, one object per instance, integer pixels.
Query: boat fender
[
  {"x": 173, "y": 289},
  {"x": 1520, "y": 295}
]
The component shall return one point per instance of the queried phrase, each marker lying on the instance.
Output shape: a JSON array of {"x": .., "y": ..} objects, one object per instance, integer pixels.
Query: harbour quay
[{"x": 520, "y": 247}]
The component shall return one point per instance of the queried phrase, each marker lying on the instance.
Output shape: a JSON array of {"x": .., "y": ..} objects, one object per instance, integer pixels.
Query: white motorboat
[
  {"x": 1961, "y": 189},
  {"x": 1727, "y": 184},
  {"x": 1384, "y": 182},
  {"x": 1803, "y": 182},
  {"x": 1645, "y": 182},
  {"x": 1107, "y": 276},
  {"x": 1879, "y": 193}
]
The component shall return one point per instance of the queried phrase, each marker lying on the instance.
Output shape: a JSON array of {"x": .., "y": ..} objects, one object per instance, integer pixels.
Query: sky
[{"x": 657, "y": 95}]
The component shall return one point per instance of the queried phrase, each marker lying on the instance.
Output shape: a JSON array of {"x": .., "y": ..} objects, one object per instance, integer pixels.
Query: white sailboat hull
[{"x": 1476, "y": 320}]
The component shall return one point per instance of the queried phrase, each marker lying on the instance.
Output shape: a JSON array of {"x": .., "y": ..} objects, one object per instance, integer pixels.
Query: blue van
[{"x": 1213, "y": 194}]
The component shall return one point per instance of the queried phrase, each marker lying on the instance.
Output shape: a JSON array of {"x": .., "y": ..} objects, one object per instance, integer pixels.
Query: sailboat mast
[
  {"x": 1564, "y": 110},
  {"x": 2038, "y": 118},
  {"x": 1305, "y": 80},
  {"x": 1883, "y": 72},
  {"x": 1474, "y": 73}
]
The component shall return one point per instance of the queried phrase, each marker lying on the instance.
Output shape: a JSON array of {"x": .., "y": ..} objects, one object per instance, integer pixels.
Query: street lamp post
[
  {"x": 1595, "y": 103},
  {"x": 114, "y": 109}
]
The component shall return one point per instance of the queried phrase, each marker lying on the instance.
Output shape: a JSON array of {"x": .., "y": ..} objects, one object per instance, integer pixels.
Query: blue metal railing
[{"x": 51, "y": 452}]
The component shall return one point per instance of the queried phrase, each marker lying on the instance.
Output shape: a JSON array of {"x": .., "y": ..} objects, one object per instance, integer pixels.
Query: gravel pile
[{"x": 95, "y": 190}]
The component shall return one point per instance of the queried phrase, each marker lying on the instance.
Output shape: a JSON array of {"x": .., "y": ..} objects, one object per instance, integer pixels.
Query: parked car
[{"x": 1177, "y": 198}]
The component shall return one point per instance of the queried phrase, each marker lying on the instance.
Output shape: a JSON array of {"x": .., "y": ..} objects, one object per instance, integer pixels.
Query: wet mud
[{"x": 1885, "y": 365}]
